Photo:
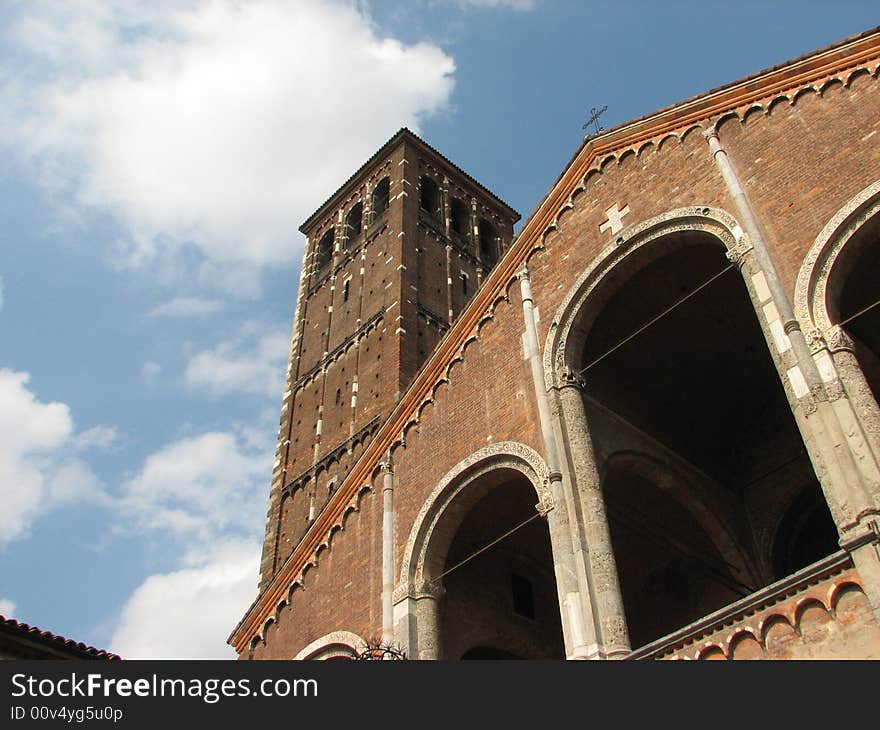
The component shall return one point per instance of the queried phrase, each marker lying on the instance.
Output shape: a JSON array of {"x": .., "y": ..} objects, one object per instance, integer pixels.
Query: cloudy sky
[{"x": 157, "y": 159}]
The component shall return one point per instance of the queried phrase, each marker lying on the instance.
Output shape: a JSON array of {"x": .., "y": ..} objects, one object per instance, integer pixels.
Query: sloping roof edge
[{"x": 17, "y": 629}]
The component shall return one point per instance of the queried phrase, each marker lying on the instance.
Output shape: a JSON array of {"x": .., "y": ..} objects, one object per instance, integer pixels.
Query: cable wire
[
  {"x": 859, "y": 313},
  {"x": 658, "y": 317},
  {"x": 486, "y": 547}
]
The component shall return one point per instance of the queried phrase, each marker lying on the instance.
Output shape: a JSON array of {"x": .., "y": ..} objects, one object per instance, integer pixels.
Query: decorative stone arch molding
[
  {"x": 416, "y": 595},
  {"x": 811, "y": 290},
  {"x": 335, "y": 645},
  {"x": 832, "y": 349},
  {"x": 501, "y": 455},
  {"x": 633, "y": 239}
]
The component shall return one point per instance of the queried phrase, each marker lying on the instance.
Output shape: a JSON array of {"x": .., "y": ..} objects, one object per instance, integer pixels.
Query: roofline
[
  {"x": 720, "y": 99},
  {"x": 767, "y": 85},
  {"x": 403, "y": 134},
  {"x": 32, "y": 634}
]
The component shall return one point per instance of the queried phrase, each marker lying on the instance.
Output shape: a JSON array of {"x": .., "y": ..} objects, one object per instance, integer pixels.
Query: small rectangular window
[
  {"x": 345, "y": 290},
  {"x": 464, "y": 284},
  {"x": 523, "y": 596}
]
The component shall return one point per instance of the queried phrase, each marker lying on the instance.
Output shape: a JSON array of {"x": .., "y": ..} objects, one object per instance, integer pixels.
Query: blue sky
[{"x": 157, "y": 159}]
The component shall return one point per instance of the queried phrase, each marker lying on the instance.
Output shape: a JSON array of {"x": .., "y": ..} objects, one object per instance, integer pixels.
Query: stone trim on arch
[
  {"x": 630, "y": 240},
  {"x": 335, "y": 644},
  {"x": 504, "y": 454},
  {"x": 810, "y": 296},
  {"x": 832, "y": 349}
]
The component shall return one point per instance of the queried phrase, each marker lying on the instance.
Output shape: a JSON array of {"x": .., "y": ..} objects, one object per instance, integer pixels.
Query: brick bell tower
[{"x": 391, "y": 259}]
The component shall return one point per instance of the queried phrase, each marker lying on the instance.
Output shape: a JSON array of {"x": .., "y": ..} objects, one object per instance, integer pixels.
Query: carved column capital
[
  {"x": 737, "y": 253},
  {"x": 569, "y": 378},
  {"x": 838, "y": 339},
  {"x": 545, "y": 506},
  {"x": 428, "y": 589},
  {"x": 815, "y": 340}
]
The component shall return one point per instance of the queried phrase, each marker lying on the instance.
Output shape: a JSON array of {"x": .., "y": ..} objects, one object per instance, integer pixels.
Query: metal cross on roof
[{"x": 594, "y": 119}]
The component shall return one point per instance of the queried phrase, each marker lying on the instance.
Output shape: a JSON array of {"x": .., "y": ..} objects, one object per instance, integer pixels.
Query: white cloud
[
  {"x": 253, "y": 361},
  {"x": 188, "y": 613},
  {"x": 187, "y": 307},
  {"x": 7, "y": 608},
  {"x": 213, "y": 125},
  {"x": 101, "y": 438},
  {"x": 199, "y": 488},
  {"x": 150, "y": 372},
  {"x": 30, "y": 433},
  {"x": 36, "y": 469}
]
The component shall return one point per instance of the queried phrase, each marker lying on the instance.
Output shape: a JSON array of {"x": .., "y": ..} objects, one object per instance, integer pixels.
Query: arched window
[
  {"x": 381, "y": 197},
  {"x": 353, "y": 224},
  {"x": 429, "y": 197},
  {"x": 325, "y": 250},
  {"x": 460, "y": 217},
  {"x": 488, "y": 243}
]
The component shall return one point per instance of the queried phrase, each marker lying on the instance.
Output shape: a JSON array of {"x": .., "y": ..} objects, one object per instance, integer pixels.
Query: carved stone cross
[{"x": 615, "y": 219}]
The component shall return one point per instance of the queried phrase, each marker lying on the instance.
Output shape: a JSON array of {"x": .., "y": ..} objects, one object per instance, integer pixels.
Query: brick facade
[{"x": 433, "y": 390}]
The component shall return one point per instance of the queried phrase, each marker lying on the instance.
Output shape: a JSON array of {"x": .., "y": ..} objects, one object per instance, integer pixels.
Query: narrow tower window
[
  {"x": 353, "y": 224},
  {"x": 429, "y": 198},
  {"x": 325, "y": 250},
  {"x": 488, "y": 244},
  {"x": 381, "y": 197},
  {"x": 460, "y": 217}
]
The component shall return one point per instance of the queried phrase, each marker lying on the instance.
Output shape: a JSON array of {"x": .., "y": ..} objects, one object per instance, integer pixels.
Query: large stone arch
[
  {"x": 335, "y": 645},
  {"x": 418, "y": 588},
  {"x": 847, "y": 387},
  {"x": 633, "y": 250},
  {"x": 631, "y": 240}
]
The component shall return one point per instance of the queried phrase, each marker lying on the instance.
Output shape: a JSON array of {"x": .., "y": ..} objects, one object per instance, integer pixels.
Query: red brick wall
[{"x": 799, "y": 164}]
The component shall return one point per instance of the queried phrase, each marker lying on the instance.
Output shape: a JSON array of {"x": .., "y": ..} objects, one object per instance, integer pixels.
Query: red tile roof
[{"x": 75, "y": 649}]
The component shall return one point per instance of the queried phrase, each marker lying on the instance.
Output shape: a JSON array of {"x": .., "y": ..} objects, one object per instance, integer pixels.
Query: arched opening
[
  {"x": 459, "y": 217},
  {"x": 853, "y": 287},
  {"x": 353, "y": 224},
  {"x": 499, "y": 596},
  {"x": 678, "y": 369},
  {"x": 429, "y": 196},
  {"x": 381, "y": 197},
  {"x": 805, "y": 534},
  {"x": 324, "y": 250},
  {"x": 488, "y": 243}
]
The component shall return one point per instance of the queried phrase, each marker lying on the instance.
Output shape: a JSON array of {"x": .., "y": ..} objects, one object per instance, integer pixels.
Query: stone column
[
  {"x": 449, "y": 307},
  {"x": 840, "y": 475},
  {"x": 387, "y": 550},
  {"x": 607, "y": 599},
  {"x": 847, "y": 371},
  {"x": 417, "y": 621},
  {"x": 569, "y": 559}
]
